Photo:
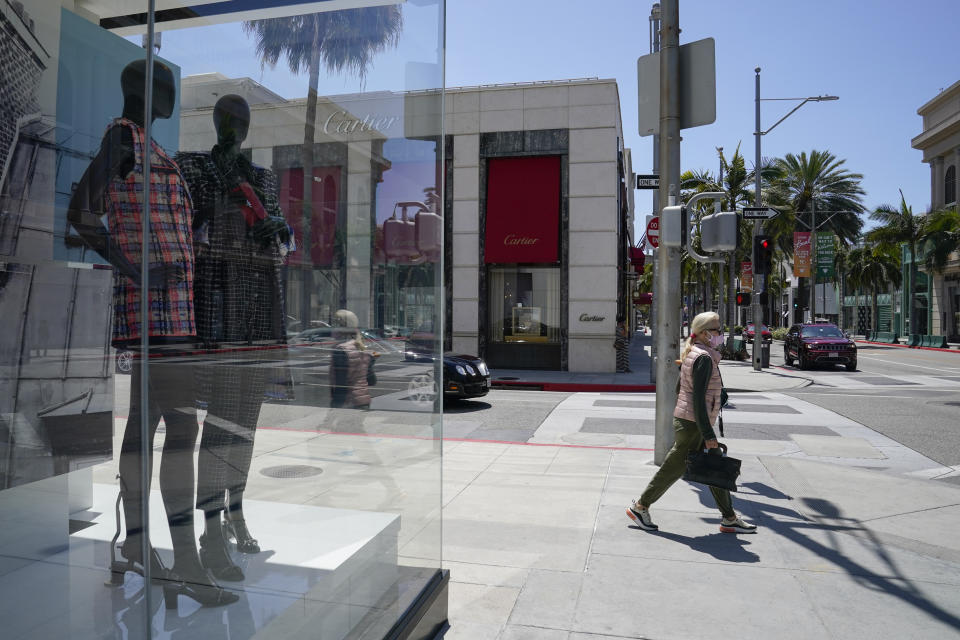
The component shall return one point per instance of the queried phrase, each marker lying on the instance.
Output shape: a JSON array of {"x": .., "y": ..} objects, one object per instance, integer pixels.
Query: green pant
[{"x": 688, "y": 438}]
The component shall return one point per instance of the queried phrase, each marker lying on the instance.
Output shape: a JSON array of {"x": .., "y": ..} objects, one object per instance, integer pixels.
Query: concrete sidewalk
[
  {"x": 539, "y": 546},
  {"x": 737, "y": 376}
]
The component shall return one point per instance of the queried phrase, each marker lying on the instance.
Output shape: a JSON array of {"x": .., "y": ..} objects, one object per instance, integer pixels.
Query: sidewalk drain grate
[{"x": 291, "y": 471}]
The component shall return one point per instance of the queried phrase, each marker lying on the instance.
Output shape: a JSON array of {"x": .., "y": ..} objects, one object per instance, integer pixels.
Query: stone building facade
[{"x": 940, "y": 143}]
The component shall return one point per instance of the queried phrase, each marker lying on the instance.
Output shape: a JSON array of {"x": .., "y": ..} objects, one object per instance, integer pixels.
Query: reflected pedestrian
[{"x": 699, "y": 400}]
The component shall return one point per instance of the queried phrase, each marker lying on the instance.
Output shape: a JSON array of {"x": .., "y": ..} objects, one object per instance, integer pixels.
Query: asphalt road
[{"x": 908, "y": 395}]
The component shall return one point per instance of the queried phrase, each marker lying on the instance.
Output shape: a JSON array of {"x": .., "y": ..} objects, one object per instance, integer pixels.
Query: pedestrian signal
[{"x": 743, "y": 299}]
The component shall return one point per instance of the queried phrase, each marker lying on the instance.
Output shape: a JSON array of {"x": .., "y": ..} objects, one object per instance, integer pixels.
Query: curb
[
  {"x": 572, "y": 386},
  {"x": 904, "y": 346}
]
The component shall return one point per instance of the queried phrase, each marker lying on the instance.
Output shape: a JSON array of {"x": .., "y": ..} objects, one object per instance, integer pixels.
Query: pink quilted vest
[{"x": 685, "y": 398}]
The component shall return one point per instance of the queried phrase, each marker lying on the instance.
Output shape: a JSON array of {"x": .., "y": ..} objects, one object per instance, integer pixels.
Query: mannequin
[
  {"x": 112, "y": 187},
  {"x": 240, "y": 232}
]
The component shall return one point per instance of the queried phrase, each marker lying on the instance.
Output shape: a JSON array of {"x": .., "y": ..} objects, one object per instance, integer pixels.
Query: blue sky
[{"x": 883, "y": 58}]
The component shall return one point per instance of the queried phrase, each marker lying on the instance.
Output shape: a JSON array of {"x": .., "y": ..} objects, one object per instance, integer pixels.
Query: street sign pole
[
  {"x": 667, "y": 331},
  {"x": 757, "y": 199}
]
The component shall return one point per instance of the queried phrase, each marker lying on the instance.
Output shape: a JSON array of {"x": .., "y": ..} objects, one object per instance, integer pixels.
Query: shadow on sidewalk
[
  {"x": 721, "y": 546},
  {"x": 827, "y": 517}
]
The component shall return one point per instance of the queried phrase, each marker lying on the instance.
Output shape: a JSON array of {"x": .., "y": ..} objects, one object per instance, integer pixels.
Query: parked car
[
  {"x": 819, "y": 344},
  {"x": 765, "y": 334},
  {"x": 464, "y": 376}
]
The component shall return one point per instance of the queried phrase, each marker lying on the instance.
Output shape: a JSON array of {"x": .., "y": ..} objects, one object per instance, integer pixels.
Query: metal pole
[
  {"x": 758, "y": 279},
  {"x": 813, "y": 259},
  {"x": 654, "y": 305},
  {"x": 668, "y": 258},
  {"x": 721, "y": 285},
  {"x": 146, "y": 452}
]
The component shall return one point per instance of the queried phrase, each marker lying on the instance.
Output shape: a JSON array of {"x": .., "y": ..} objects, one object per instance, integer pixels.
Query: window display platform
[{"x": 320, "y": 573}]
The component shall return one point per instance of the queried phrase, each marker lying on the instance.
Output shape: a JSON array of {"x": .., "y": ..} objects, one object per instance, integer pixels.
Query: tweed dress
[{"x": 239, "y": 297}]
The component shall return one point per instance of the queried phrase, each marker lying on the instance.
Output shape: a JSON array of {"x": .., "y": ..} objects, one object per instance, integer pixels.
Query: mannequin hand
[
  {"x": 161, "y": 276},
  {"x": 711, "y": 444},
  {"x": 270, "y": 226}
]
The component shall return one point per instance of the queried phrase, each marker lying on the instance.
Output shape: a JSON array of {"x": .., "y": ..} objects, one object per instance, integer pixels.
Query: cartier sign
[
  {"x": 512, "y": 240},
  {"x": 586, "y": 317},
  {"x": 343, "y": 122}
]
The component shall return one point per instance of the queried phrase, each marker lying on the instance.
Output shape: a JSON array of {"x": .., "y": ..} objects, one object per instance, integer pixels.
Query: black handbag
[
  {"x": 371, "y": 374},
  {"x": 713, "y": 467}
]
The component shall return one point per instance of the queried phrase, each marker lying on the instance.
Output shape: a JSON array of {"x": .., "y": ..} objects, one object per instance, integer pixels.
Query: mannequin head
[
  {"x": 231, "y": 117},
  {"x": 133, "y": 82}
]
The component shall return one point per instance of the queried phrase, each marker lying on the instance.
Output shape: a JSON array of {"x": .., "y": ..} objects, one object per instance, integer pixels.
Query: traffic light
[
  {"x": 743, "y": 299},
  {"x": 762, "y": 255}
]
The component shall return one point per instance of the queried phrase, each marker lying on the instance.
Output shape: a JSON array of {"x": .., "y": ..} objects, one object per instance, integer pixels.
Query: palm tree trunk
[
  {"x": 306, "y": 160},
  {"x": 874, "y": 310}
]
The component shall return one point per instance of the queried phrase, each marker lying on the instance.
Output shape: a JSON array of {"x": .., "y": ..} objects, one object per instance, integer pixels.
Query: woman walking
[{"x": 698, "y": 404}]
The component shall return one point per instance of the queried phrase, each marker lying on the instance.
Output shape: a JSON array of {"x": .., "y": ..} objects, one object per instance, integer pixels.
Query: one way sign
[{"x": 759, "y": 213}]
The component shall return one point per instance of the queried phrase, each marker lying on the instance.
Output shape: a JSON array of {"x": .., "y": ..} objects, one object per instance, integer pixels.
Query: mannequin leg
[
  {"x": 130, "y": 465},
  {"x": 173, "y": 384}
]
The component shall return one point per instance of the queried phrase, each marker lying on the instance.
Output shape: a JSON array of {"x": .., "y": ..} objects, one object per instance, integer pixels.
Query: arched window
[{"x": 950, "y": 185}]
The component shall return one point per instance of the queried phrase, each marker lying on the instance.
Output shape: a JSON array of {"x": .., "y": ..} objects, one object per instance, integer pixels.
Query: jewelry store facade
[
  {"x": 541, "y": 214},
  {"x": 204, "y": 431}
]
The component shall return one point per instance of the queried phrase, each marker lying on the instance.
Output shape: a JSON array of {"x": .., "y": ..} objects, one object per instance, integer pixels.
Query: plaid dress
[{"x": 171, "y": 243}]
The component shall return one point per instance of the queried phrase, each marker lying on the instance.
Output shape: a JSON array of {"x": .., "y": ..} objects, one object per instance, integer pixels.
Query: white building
[{"x": 538, "y": 210}]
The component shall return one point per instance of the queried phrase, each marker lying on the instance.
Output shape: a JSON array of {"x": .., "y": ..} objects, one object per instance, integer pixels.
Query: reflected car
[
  {"x": 819, "y": 344},
  {"x": 765, "y": 334},
  {"x": 465, "y": 376}
]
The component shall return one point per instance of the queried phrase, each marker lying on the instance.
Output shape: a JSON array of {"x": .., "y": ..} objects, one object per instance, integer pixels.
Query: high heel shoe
[
  {"x": 207, "y": 594},
  {"x": 215, "y": 556},
  {"x": 237, "y": 529},
  {"x": 132, "y": 562}
]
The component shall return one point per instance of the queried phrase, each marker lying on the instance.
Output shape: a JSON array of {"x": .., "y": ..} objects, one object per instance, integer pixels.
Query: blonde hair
[
  {"x": 700, "y": 322},
  {"x": 345, "y": 323}
]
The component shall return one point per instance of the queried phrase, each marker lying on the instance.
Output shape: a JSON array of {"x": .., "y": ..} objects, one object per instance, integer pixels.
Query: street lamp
[{"x": 758, "y": 134}]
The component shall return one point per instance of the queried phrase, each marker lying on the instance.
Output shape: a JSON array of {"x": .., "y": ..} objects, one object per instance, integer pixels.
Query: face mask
[{"x": 716, "y": 340}]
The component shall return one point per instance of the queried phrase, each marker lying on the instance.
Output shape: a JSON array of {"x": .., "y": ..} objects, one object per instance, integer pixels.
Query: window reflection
[{"x": 268, "y": 386}]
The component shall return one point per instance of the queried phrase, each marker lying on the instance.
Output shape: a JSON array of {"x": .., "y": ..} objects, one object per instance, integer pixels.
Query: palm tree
[
  {"x": 344, "y": 41},
  {"x": 817, "y": 191},
  {"x": 735, "y": 182},
  {"x": 900, "y": 226},
  {"x": 870, "y": 268}
]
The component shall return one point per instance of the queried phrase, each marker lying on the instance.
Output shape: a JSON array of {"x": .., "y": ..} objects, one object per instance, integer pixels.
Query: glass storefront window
[
  {"x": 208, "y": 423},
  {"x": 525, "y": 304}
]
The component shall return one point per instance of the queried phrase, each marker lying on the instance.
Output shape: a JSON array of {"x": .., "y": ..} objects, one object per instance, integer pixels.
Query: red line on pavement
[{"x": 575, "y": 386}]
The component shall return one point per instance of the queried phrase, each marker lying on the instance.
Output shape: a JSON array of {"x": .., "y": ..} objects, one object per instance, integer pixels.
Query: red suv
[
  {"x": 817, "y": 344},
  {"x": 765, "y": 334}
]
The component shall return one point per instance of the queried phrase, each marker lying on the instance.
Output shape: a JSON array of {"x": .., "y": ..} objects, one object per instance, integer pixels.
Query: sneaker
[
  {"x": 641, "y": 517},
  {"x": 736, "y": 525}
]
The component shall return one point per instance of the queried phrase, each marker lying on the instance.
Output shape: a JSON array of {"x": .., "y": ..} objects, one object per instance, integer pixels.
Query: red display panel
[
  {"x": 324, "y": 196},
  {"x": 523, "y": 210}
]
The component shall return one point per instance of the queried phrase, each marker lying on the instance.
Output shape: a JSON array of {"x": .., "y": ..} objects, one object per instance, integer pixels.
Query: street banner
[
  {"x": 801, "y": 254},
  {"x": 825, "y": 253},
  {"x": 746, "y": 277}
]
